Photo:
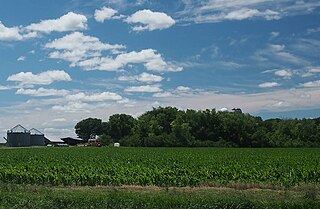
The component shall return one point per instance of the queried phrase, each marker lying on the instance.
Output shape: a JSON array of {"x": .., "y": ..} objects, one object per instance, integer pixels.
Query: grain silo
[
  {"x": 18, "y": 136},
  {"x": 36, "y": 138}
]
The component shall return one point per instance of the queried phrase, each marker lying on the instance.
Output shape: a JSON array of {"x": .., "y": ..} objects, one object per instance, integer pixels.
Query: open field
[
  {"x": 84, "y": 177},
  {"x": 162, "y": 167}
]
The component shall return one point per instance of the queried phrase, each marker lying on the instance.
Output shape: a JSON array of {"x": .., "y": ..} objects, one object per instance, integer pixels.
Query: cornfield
[{"x": 159, "y": 166}]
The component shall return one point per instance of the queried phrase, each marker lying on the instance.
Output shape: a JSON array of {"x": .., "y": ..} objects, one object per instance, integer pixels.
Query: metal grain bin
[
  {"x": 18, "y": 136},
  {"x": 36, "y": 138}
]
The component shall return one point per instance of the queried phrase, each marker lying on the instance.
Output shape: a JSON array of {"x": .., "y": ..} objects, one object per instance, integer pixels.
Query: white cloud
[
  {"x": 149, "y": 20},
  {"x": 76, "y": 47},
  {"x": 44, "y": 78},
  {"x": 222, "y": 10},
  {"x": 96, "y": 97},
  {"x": 68, "y": 22},
  {"x": 85, "y": 52},
  {"x": 104, "y": 13},
  {"x": 268, "y": 84},
  {"x": 274, "y": 34},
  {"x": 282, "y": 104},
  {"x": 277, "y": 47},
  {"x": 241, "y": 14},
  {"x": 59, "y": 120},
  {"x": 4, "y": 88},
  {"x": 315, "y": 70},
  {"x": 41, "y": 92},
  {"x": 276, "y": 52},
  {"x": 72, "y": 107},
  {"x": 151, "y": 59},
  {"x": 183, "y": 88},
  {"x": 10, "y": 34},
  {"x": 146, "y": 88},
  {"x": 237, "y": 14},
  {"x": 21, "y": 58},
  {"x": 313, "y": 30},
  {"x": 143, "y": 77},
  {"x": 163, "y": 94},
  {"x": 286, "y": 74},
  {"x": 311, "y": 84}
]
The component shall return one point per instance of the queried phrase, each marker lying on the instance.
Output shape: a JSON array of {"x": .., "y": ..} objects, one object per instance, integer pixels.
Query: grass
[{"x": 32, "y": 196}]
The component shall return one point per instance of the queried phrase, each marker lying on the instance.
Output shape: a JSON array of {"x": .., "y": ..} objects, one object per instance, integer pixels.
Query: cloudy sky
[{"x": 64, "y": 61}]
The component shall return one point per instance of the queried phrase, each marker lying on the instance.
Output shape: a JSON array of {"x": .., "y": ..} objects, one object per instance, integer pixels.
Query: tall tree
[
  {"x": 120, "y": 125},
  {"x": 88, "y": 128}
]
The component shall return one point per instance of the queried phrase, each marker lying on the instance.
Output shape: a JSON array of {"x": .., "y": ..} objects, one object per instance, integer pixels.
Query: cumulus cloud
[
  {"x": 274, "y": 34},
  {"x": 269, "y": 84},
  {"x": 163, "y": 94},
  {"x": 44, "y": 78},
  {"x": 96, "y": 97},
  {"x": 4, "y": 87},
  {"x": 241, "y": 14},
  {"x": 10, "y": 34},
  {"x": 68, "y": 22},
  {"x": 311, "y": 71},
  {"x": 146, "y": 88},
  {"x": 104, "y": 13},
  {"x": 311, "y": 84},
  {"x": 149, "y": 20},
  {"x": 151, "y": 59},
  {"x": 72, "y": 107},
  {"x": 86, "y": 52},
  {"x": 143, "y": 77},
  {"x": 286, "y": 74},
  {"x": 42, "y": 92},
  {"x": 21, "y": 58},
  {"x": 183, "y": 88},
  {"x": 59, "y": 120},
  {"x": 77, "y": 47}
]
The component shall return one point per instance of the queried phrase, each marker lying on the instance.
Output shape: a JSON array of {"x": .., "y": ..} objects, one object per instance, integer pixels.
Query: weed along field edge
[{"x": 142, "y": 177}]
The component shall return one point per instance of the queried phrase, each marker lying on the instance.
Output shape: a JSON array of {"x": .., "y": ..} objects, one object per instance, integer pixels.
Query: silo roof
[
  {"x": 19, "y": 129},
  {"x": 35, "y": 131}
]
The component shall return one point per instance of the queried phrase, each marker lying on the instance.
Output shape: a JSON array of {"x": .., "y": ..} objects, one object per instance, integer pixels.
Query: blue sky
[{"x": 63, "y": 61}]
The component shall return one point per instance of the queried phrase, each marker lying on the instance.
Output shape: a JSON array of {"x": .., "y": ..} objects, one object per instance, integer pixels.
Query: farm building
[
  {"x": 36, "y": 138},
  {"x": 72, "y": 141},
  {"x": 19, "y": 136}
]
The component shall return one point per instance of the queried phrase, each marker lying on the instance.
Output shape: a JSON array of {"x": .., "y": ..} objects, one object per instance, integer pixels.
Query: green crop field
[{"x": 163, "y": 167}]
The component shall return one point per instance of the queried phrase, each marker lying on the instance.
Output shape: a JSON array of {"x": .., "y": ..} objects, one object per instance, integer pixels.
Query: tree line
[{"x": 171, "y": 127}]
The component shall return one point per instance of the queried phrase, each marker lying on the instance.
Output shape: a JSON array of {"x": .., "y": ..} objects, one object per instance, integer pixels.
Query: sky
[{"x": 63, "y": 61}]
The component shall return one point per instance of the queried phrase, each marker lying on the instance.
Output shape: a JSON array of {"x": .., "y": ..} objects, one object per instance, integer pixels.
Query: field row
[{"x": 159, "y": 166}]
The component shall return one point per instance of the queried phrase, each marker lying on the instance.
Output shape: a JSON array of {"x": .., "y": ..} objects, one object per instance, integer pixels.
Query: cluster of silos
[{"x": 19, "y": 136}]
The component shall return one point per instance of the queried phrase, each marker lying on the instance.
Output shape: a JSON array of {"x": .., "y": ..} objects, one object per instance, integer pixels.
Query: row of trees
[{"x": 168, "y": 126}]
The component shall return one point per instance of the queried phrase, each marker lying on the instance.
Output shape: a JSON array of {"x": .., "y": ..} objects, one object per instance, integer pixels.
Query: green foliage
[
  {"x": 120, "y": 125},
  {"x": 105, "y": 140},
  {"x": 160, "y": 166},
  {"x": 168, "y": 126},
  {"x": 89, "y": 127}
]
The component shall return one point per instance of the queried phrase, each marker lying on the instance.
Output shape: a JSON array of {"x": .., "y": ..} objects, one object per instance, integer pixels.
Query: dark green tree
[
  {"x": 88, "y": 128},
  {"x": 120, "y": 125}
]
